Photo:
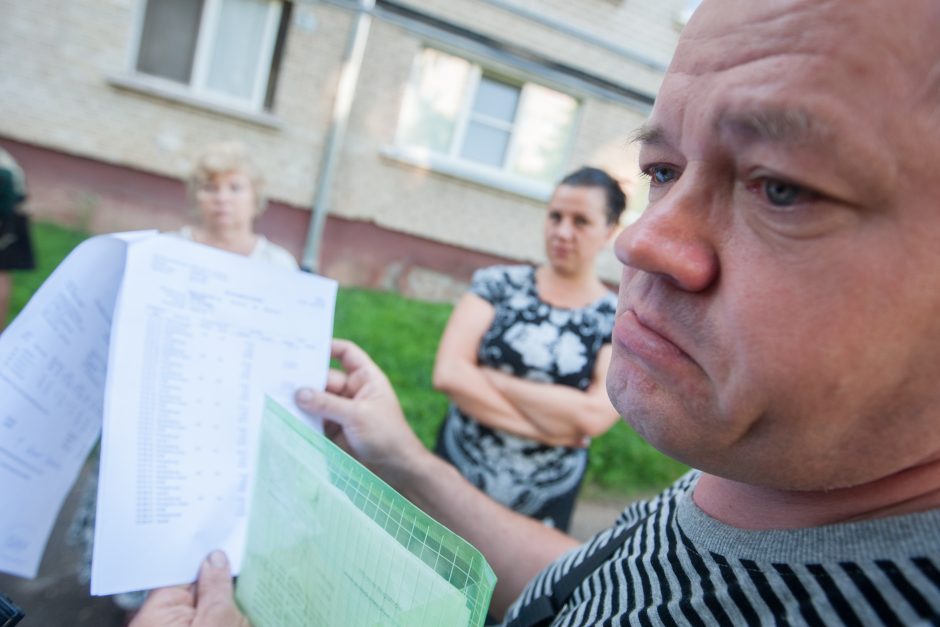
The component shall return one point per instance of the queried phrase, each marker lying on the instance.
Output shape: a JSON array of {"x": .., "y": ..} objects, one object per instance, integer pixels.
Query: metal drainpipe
[{"x": 346, "y": 90}]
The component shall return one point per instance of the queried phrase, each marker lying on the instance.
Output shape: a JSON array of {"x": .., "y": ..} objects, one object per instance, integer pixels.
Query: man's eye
[
  {"x": 661, "y": 174},
  {"x": 782, "y": 194}
]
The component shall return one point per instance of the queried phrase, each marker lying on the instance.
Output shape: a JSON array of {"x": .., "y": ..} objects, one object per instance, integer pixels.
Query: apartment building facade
[{"x": 404, "y": 142}]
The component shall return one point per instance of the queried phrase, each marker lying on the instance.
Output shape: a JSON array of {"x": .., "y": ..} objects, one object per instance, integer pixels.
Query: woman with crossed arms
[{"x": 524, "y": 359}]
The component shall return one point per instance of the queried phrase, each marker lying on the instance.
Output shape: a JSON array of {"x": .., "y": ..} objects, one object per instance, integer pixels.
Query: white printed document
[
  {"x": 174, "y": 344},
  {"x": 53, "y": 360}
]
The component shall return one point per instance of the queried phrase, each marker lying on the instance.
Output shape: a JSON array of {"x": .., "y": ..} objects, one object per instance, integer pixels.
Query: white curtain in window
[
  {"x": 236, "y": 51},
  {"x": 546, "y": 121},
  {"x": 433, "y": 100}
]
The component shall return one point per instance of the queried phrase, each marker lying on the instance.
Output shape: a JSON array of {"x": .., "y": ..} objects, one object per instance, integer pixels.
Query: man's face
[{"x": 779, "y": 316}]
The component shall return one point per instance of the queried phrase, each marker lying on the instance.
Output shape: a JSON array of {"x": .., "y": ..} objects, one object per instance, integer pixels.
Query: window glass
[
  {"x": 485, "y": 144},
  {"x": 220, "y": 50},
  {"x": 237, "y": 49},
  {"x": 168, "y": 38},
  {"x": 546, "y": 123},
  {"x": 432, "y": 102},
  {"x": 496, "y": 99},
  {"x": 453, "y": 109}
]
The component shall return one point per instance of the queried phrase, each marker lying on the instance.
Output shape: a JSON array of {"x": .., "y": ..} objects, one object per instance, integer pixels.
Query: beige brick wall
[
  {"x": 57, "y": 94},
  {"x": 452, "y": 210},
  {"x": 646, "y": 27}
]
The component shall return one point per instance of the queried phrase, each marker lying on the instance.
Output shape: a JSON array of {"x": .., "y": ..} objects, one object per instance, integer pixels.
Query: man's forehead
[
  {"x": 739, "y": 29},
  {"x": 794, "y": 70}
]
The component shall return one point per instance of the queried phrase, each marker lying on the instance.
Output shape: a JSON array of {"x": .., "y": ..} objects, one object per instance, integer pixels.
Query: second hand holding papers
[{"x": 198, "y": 337}]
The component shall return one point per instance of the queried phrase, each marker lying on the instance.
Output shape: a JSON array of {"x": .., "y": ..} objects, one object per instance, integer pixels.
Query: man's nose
[{"x": 672, "y": 239}]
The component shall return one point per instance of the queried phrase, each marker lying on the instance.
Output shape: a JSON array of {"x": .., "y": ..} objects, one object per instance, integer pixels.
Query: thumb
[
  {"x": 336, "y": 408},
  {"x": 214, "y": 587}
]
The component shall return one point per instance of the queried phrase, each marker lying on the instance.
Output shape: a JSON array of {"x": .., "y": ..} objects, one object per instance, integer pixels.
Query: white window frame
[
  {"x": 205, "y": 41},
  {"x": 452, "y": 164},
  {"x": 467, "y": 115}
]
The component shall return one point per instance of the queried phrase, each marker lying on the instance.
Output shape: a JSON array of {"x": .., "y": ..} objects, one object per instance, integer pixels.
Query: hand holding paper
[
  {"x": 329, "y": 543},
  {"x": 210, "y": 603},
  {"x": 361, "y": 400}
]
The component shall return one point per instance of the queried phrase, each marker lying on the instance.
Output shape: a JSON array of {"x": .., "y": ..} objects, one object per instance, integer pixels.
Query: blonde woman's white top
[{"x": 264, "y": 250}]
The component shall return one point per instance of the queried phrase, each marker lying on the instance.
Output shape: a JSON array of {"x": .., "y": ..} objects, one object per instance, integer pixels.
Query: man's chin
[{"x": 667, "y": 420}]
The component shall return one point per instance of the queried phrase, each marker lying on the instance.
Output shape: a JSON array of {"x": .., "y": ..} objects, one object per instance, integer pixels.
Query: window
[
  {"x": 459, "y": 112},
  {"x": 490, "y": 122},
  {"x": 225, "y": 51}
]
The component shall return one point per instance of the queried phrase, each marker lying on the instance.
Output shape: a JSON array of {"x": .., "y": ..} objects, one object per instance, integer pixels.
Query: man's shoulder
[{"x": 666, "y": 557}]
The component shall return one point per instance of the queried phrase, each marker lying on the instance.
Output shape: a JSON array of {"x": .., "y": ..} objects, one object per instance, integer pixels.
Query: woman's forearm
[
  {"x": 558, "y": 410},
  {"x": 475, "y": 395}
]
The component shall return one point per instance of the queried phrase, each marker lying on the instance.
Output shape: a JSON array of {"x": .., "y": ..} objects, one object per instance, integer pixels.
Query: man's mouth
[{"x": 646, "y": 339}]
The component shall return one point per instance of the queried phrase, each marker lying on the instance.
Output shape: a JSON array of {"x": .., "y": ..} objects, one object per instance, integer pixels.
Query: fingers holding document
[
  {"x": 215, "y": 594},
  {"x": 172, "y": 607},
  {"x": 210, "y": 602},
  {"x": 360, "y": 399}
]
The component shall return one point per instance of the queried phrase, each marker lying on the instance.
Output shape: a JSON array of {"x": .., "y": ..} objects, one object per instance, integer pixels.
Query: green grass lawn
[{"x": 401, "y": 334}]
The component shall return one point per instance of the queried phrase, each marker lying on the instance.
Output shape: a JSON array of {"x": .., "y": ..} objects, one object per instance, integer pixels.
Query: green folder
[{"x": 329, "y": 543}]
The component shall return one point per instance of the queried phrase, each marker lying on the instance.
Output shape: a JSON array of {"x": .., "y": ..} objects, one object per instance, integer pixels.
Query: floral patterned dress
[{"x": 532, "y": 340}]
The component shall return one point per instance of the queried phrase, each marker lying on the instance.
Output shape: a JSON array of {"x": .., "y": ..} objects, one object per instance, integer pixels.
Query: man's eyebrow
[
  {"x": 649, "y": 135},
  {"x": 785, "y": 125},
  {"x": 777, "y": 125}
]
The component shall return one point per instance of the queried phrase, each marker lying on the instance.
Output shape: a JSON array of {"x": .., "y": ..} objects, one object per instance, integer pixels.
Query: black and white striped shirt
[{"x": 678, "y": 566}]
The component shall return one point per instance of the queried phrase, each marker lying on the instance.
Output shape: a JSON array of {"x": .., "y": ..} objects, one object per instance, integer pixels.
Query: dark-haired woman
[{"x": 524, "y": 358}]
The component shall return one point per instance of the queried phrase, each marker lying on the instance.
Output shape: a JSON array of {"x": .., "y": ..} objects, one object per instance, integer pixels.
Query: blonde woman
[{"x": 226, "y": 190}]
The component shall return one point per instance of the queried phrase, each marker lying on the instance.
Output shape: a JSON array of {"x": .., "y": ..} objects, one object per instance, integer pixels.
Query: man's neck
[{"x": 748, "y": 506}]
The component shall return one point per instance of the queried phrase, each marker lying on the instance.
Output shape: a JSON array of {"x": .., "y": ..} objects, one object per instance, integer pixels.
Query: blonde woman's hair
[{"x": 223, "y": 157}]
